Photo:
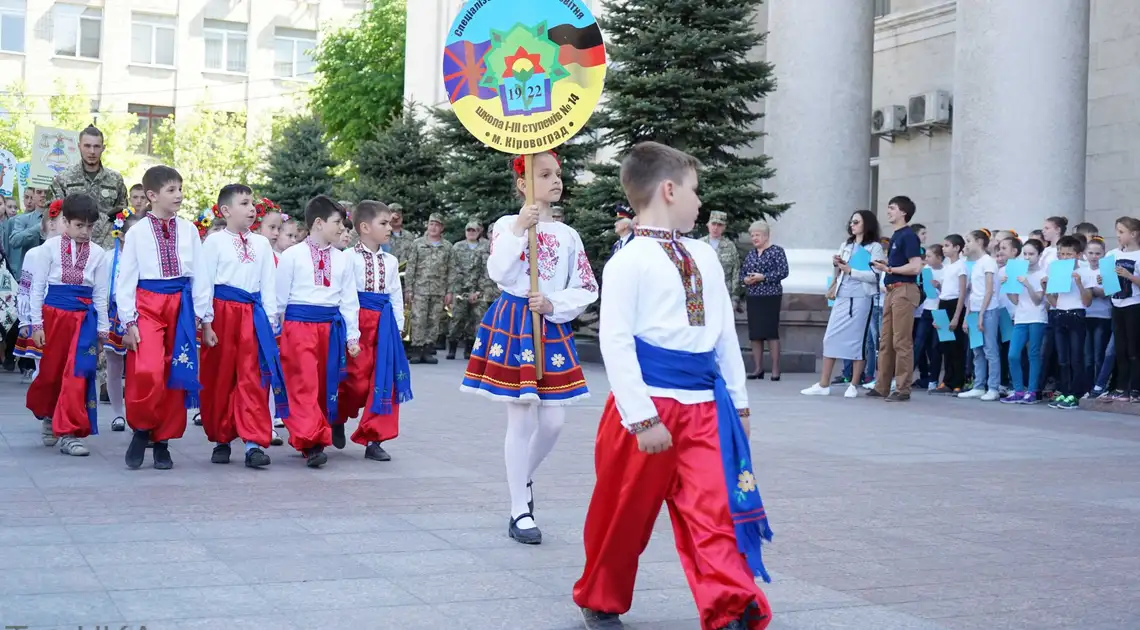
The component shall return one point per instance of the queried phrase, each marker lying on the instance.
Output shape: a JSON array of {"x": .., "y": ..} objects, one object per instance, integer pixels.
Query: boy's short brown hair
[
  {"x": 647, "y": 165},
  {"x": 368, "y": 210}
]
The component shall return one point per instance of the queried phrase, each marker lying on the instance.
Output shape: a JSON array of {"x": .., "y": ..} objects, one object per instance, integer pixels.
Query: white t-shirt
[
  {"x": 951, "y": 271},
  {"x": 1026, "y": 312},
  {"x": 1048, "y": 256},
  {"x": 1101, "y": 307},
  {"x": 1071, "y": 299},
  {"x": 982, "y": 266},
  {"x": 1128, "y": 260},
  {"x": 931, "y": 304}
]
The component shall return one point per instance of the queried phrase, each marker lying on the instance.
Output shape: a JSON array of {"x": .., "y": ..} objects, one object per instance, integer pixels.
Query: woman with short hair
[{"x": 762, "y": 273}]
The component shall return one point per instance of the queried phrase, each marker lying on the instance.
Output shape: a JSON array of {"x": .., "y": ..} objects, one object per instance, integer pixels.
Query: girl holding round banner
[{"x": 524, "y": 76}]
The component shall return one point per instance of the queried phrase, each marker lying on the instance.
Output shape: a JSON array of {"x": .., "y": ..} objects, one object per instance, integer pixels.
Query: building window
[
  {"x": 874, "y": 200},
  {"x": 882, "y": 7},
  {"x": 152, "y": 39},
  {"x": 78, "y": 31},
  {"x": 294, "y": 53},
  {"x": 13, "y": 14},
  {"x": 150, "y": 117},
  {"x": 226, "y": 44}
]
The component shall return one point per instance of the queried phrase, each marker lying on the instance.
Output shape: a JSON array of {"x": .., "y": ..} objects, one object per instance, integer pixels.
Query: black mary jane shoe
[
  {"x": 221, "y": 454},
  {"x": 137, "y": 449},
  {"x": 119, "y": 424},
  {"x": 532, "y": 536},
  {"x": 774, "y": 378},
  {"x": 595, "y": 620},
  {"x": 530, "y": 491},
  {"x": 756, "y": 376},
  {"x": 338, "y": 436}
]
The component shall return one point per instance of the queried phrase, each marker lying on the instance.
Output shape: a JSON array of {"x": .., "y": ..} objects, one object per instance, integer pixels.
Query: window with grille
[
  {"x": 152, "y": 39},
  {"x": 78, "y": 31},
  {"x": 150, "y": 117},
  {"x": 293, "y": 53},
  {"x": 226, "y": 45},
  {"x": 13, "y": 17}
]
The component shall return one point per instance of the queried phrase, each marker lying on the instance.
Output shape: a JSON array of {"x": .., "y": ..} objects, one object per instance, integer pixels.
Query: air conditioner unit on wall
[
  {"x": 929, "y": 109},
  {"x": 887, "y": 121}
]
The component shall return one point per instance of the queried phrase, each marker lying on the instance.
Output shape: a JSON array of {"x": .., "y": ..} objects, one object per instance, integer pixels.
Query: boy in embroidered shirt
[
  {"x": 675, "y": 428},
  {"x": 379, "y": 380},
  {"x": 156, "y": 305},
  {"x": 234, "y": 297},
  {"x": 316, "y": 291},
  {"x": 69, "y": 317}
]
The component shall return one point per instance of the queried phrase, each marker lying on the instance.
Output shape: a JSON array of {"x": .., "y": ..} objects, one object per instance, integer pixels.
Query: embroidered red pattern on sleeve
[{"x": 586, "y": 273}]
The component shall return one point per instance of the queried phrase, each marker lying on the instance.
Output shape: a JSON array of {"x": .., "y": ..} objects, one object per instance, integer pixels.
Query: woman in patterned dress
[{"x": 763, "y": 271}]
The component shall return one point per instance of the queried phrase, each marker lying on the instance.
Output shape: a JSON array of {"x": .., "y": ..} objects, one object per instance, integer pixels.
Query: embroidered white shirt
[
  {"x": 149, "y": 254},
  {"x": 242, "y": 261},
  {"x": 64, "y": 261},
  {"x": 378, "y": 272},
  {"x": 24, "y": 292},
  {"x": 642, "y": 296},
  {"x": 564, "y": 273},
  {"x": 315, "y": 276}
]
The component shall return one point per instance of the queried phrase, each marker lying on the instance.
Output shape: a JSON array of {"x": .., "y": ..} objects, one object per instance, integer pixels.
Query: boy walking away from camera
[
  {"x": 69, "y": 321},
  {"x": 379, "y": 380},
  {"x": 234, "y": 297},
  {"x": 317, "y": 293},
  {"x": 156, "y": 305},
  {"x": 675, "y": 427}
]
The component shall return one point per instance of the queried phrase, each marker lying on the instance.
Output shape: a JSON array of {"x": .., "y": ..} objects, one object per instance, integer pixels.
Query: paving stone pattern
[{"x": 937, "y": 514}]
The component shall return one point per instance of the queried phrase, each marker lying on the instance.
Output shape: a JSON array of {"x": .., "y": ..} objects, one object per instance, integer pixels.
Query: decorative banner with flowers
[{"x": 524, "y": 76}]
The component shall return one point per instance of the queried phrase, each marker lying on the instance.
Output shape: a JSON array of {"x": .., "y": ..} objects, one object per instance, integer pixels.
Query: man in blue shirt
[{"x": 901, "y": 269}]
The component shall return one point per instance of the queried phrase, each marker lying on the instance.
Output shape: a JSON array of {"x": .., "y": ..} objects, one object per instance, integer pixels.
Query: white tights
[
  {"x": 115, "y": 365},
  {"x": 532, "y": 431}
]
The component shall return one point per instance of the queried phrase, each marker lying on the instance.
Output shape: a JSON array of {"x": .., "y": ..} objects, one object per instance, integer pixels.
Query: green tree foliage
[
  {"x": 682, "y": 73},
  {"x": 360, "y": 76},
  {"x": 300, "y": 165},
  {"x": 477, "y": 181},
  {"x": 210, "y": 149},
  {"x": 401, "y": 164}
]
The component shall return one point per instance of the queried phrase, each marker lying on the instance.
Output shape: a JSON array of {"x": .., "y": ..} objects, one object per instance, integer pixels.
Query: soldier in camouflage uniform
[
  {"x": 400, "y": 244},
  {"x": 727, "y": 251},
  {"x": 468, "y": 266},
  {"x": 101, "y": 183},
  {"x": 425, "y": 288}
]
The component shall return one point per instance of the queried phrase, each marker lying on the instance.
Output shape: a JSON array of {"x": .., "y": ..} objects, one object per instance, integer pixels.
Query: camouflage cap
[
  {"x": 437, "y": 217},
  {"x": 474, "y": 224},
  {"x": 716, "y": 216}
]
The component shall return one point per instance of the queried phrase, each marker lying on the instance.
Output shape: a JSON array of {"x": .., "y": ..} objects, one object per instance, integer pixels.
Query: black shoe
[
  {"x": 774, "y": 378},
  {"x": 162, "y": 459},
  {"x": 428, "y": 357},
  {"x": 452, "y": 346},
  {"x": 897, "y": 397},
  {"x": 338, "y": 435},
  {"x": 873, "y": 393},
  {"x": 256, "y": 458},
  {"x": 137, "y": 450},
  {"x": 374, "y": 452},
  {"x": 119, "y": 424},
  {"x": 315, "y": 458},
  {"x": 595, "y": 620},
  {"x": 197, "y": 420},
  {"x": 415, "y": 355},
  {"x": 103, "y": 395},
  {"x": 735, "y": 624},
  {"x": 221, "y": 454},
  {"x": 532, "y": 536},
  {"x": 530, "y": 490}
]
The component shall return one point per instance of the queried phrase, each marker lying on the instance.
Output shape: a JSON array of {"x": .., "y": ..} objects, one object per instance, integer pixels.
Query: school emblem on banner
[{"x": 53, "y": 150}]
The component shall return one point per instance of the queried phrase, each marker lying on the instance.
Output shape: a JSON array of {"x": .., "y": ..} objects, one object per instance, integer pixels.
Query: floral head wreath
[
  {"x": 519, "y": 163},
  {"x": 55, "y": 209},
  {"x": 205, "y": 219},
  {"x": 120, "y": 221},
  {"x": 263, "y": 206}
]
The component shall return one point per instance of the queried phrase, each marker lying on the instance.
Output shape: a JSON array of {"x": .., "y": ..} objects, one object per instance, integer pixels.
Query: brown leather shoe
[
  {"x": 873, "y": 393},
  {"x": 897, "y": 397}
]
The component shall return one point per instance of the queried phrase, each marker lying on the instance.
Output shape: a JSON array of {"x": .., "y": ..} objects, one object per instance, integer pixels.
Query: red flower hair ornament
[
  {"x": 55, "y": 209},
  {"x": 519, "y": 163}
]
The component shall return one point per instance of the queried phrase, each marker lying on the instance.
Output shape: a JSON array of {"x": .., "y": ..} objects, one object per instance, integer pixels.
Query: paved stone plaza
[{"x": 934, "y": 514}]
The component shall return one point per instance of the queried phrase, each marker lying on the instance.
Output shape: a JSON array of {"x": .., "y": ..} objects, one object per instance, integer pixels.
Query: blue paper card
[
  {"x": 1109, "y": 281},
  {"x": 928, "y": 287},
  {"x": 1014, "y": 269},
  {"x": 860, "y": 259},
  {"x": 1006, "y": 324},
  {"x": 826, "y": 288},
  {"x": 1060, "y": 276},
  {"x": 942, "y": 320},
  {"x": 976, "y": 340}
]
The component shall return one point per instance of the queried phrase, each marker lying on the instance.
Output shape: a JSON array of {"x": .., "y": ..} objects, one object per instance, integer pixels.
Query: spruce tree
[
  {"x": 681, "y": 73},
  {"x": 401, "y": 164},
  {"x": 300, "y": 165},
  {"x": 477, "y": 182}
]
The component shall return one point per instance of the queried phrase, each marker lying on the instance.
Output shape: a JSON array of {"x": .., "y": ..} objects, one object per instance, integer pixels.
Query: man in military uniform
[
  {"x": 400, "y": 244},
  {"x": 101, "y": 183},
  {"x": 726, "y": 251},
  {"x": 425, "y": 289},
  {"x": 468, "y": 266}
]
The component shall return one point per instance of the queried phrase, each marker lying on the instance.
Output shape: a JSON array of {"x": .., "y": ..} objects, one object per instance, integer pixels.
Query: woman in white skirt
[{"x": 853, "y": 291}]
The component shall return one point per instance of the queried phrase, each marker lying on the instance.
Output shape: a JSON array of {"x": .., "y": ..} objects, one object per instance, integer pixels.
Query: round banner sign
[{"x": 524, "y": 76}]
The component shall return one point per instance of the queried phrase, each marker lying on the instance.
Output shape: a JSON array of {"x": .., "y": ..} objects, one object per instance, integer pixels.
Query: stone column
[
  {"x": 818, "y": 119},
  {"x": 1020, "y": 115}
]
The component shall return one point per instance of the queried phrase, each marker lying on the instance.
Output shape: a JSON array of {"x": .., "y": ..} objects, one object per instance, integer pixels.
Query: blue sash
[
  {"x": 337, "y": 366},
  {"x": 78, "y": 299},
  {"x": 677, "y": 369},
  {"x": 112, "y": 305},
  {"x": 267, "y": 357},
  {"x": 391, "y": 371},
  {"x": 184, "y": 365}
]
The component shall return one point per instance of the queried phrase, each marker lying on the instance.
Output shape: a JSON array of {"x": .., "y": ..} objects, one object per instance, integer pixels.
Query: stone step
[{"x": 1122, "y": 408}]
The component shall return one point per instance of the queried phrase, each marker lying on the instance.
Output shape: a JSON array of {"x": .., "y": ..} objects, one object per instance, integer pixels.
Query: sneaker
[
  {"x": 990, "y": 396},
  {"x": 870, "y": 385},
  {"x": 816, "y": 390},
  {"x": 338, "y": 438},
  {"x": 1071, "y": 403},
  {"x": 973, "y": 393},
  {"x": 1003, "y": 390},
  {"x": 1117, "y": 396},
  {"x": 931, "y": 386},
  {"x": 376, "y": 453},
  {"x": 73, "y": 446},
  {"x": 852, "y": 392},
  {"x": 278, "y": 423},
  {"x": 221, "y": 454},
  {"x": 256, "y": 458},
  {"x": 839, "y": 380},
  {"x": 275, "y": 439},
  {"x": 315, "y": 458},
  {"x": 46, "y": 432},
  {"x": 1030, "y": 398},
  {"x": 1134, "y": 397},
  {"x": 1016, "y": 398},
  {"x": 26, "y": 376}
]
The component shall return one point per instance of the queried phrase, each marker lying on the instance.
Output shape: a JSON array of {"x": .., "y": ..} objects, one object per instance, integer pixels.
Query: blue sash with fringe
[
  {"x": 269, "y": 360},
  {"x": 184, "y": 364},
  {"x": 677, "y": 369},
  {"x": 391, "y": 372},
  {"x": 78, "y": 299},
  {"x": 336, "y": 367}
]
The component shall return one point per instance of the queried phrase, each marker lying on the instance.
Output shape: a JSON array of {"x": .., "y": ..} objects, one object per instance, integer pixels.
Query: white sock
[
  {"x": 37, "y": 370},
  {"x": 550, "y": 421},
  {"x": 115, "y": 364},
  {"x": 521, "y": 428}
]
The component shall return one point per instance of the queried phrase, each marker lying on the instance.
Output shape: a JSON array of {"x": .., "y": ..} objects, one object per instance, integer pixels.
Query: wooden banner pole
[{"x": 532, "y": 238}]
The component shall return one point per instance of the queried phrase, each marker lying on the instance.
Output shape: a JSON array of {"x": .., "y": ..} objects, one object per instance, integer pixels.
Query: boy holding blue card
[
  {"x": 926, "y": 351},
  {"x": 1098, "y": 316},
  {"x": 1069, "y": 321}
]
